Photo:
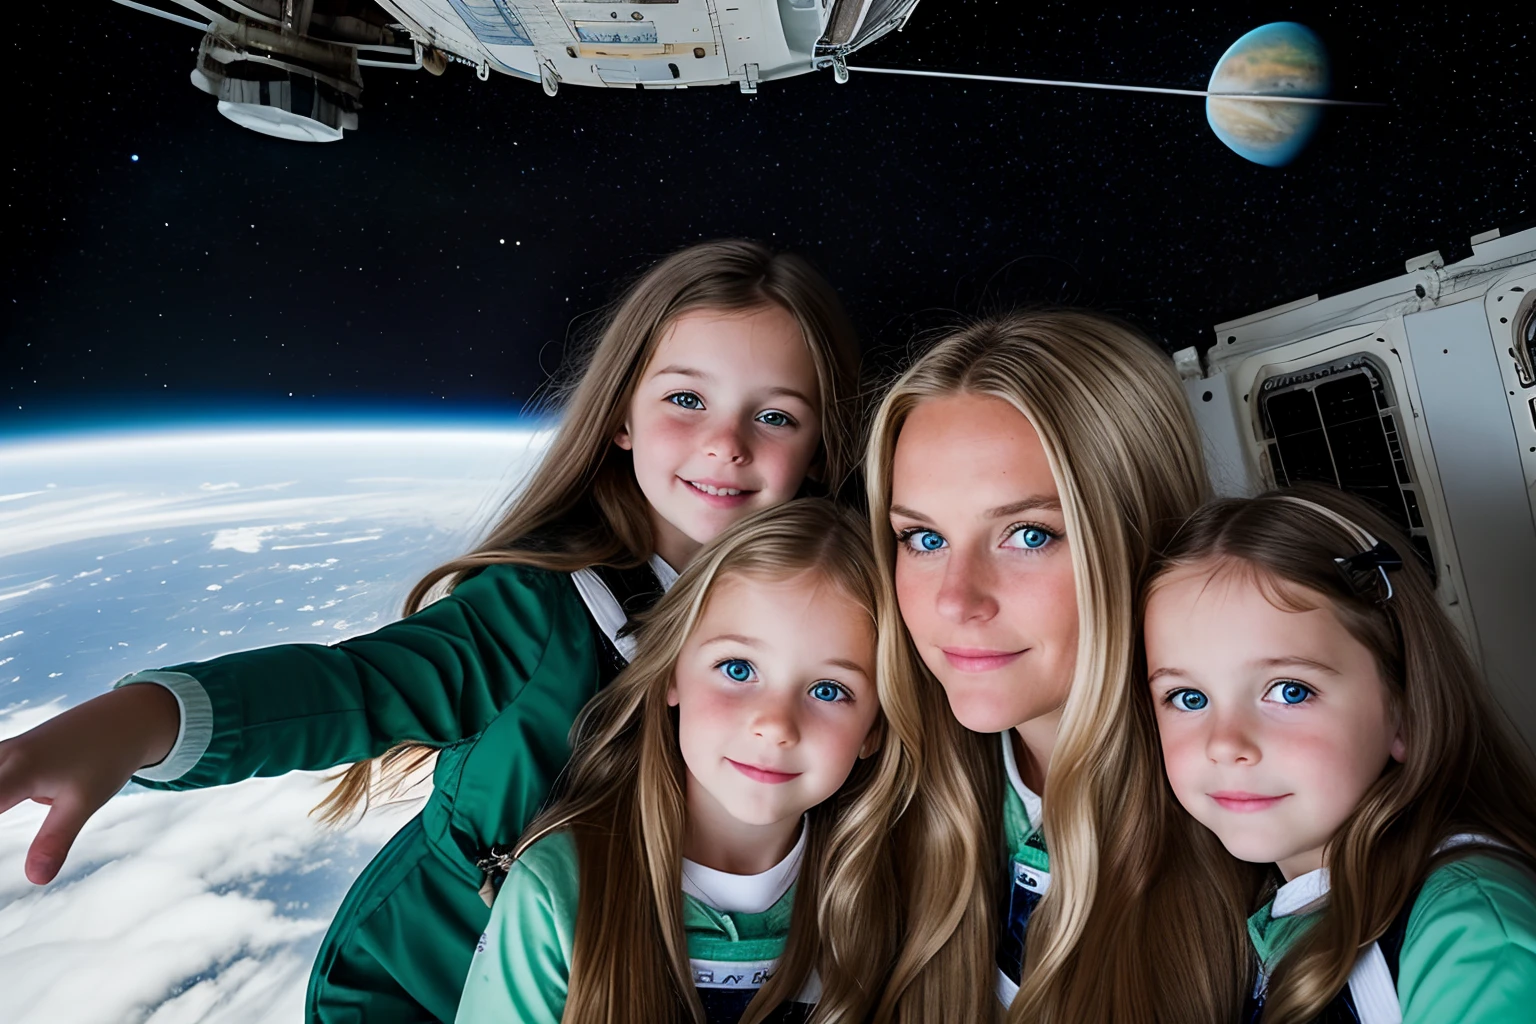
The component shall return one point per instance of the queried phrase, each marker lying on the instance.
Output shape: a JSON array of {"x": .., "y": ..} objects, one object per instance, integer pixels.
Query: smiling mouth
[
  {"x": 979, "y": 659},
  {"x": 1244, "y": 803},
  {"x": 719, "y": 494},
  {"x": 711, "y": 489},
  {"x": 767, "y": 775}
]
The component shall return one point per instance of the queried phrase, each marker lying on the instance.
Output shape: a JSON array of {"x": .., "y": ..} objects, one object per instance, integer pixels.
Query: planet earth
[
  {"x": 1279, "y": 59},
  {"x": 122, "y": 552}
]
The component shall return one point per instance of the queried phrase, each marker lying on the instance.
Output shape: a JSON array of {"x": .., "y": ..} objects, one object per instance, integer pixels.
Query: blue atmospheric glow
[
  {"x": 127, "y": 422},
  {"x": 134, "y": 158}
]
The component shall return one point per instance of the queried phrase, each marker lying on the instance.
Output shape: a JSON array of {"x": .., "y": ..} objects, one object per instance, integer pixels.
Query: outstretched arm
[
  {"x": 76, "y": 760},
  {"x": 436, "y": 677}
]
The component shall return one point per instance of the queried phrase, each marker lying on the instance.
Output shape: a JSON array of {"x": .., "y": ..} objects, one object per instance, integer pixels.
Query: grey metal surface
[
  {"x": 1223, "y": 436},
  {"x": 1481, "y": 477}
]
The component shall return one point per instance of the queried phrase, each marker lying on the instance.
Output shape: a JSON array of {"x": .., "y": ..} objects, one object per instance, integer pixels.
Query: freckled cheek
[
  {"x": 915, "y": 595},
  {"x": 1042, "y": 608}
]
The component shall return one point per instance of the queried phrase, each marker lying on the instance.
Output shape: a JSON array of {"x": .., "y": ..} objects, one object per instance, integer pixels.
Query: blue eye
[
  {"x": 1289, "y": 691},
  {"x": 921, "y": 542},
  {"x": 1030, "y": 538},
  {"x": 826, "y": 690},
  {"x": 736, "y": 670},
  {"x": 1188, "y": 700},
  {"x": 686, "y": 400},
  {"x": 774, "y": 418}
]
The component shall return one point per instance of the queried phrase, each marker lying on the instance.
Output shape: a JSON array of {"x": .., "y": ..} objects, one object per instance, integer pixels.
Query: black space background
[{"x": 225, "y": 270}]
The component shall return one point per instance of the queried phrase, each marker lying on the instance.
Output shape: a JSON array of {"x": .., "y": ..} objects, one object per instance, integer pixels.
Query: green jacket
[
  {"x": 1469, "y": 951},
  {"x": 521, "y": 968},
  {"x": 494, "y": 675}
]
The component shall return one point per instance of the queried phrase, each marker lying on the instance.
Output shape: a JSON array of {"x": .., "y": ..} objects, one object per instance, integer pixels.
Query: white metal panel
[
  {"x": 1385, "y": 344},
  {"x": 1511, "y": 297},
  {"x": 1424, "y": 288},
  {"x": 1228, "y": 455},
  {"x": 752, "y": 33},
  {"x": 1483, "y": 482},
  {"x": 686, "y": 37},
  {"x": 435, "y": 23}
]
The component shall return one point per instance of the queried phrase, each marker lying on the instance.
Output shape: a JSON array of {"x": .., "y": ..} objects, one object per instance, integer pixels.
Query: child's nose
[
  {"x": 1231, "y": 741},
  {"x": 774, "y": 721},
  {"x": 728, "y": 443}
]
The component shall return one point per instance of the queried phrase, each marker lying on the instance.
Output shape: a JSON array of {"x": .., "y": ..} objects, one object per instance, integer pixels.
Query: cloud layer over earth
[
  {"x": 126, "y": 553},
  {"x": 166, "y": 910}
]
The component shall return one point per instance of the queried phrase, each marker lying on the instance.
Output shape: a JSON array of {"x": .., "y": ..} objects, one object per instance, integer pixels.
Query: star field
[{"x": 159, "y": 258}]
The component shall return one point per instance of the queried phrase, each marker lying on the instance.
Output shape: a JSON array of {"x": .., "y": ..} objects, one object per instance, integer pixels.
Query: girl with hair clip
[
  {"x": 1018, "y": 474},
  {"x": 722, "y": 384},
  {"x": 718, "y": 851},
  {"x": 1318, "y": 711}
]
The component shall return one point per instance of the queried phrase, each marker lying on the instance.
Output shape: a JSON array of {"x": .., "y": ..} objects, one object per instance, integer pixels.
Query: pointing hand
[{"x": 77, "y": 760}]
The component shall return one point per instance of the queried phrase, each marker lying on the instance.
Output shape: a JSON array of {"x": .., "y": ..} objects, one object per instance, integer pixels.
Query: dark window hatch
[{"x": 1337, "y": 423}]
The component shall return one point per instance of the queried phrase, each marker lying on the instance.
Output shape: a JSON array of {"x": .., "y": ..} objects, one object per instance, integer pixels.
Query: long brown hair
[
  {"x": 1465, "y": 772},
  {"x": 582, "y": 506},
  {"x": 622, "y": 799},
  {"x": 1123, "y": 449}
]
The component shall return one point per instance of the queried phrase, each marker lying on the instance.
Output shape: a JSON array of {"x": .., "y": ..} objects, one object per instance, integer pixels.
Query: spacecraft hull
[
  {"x": 1419, "y": 394},
  {"x": 300, "y": 48}
]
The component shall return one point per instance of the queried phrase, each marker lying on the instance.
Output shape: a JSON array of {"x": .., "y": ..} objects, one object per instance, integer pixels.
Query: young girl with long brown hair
[
  {"x": 719, "y": 849},
  {"x": 722, "y": 384},
  {"x": 1318, "y": 712}
]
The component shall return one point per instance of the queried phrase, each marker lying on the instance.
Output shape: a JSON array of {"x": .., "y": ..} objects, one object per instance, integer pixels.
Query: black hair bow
[{"x": 1366, "y": 573}]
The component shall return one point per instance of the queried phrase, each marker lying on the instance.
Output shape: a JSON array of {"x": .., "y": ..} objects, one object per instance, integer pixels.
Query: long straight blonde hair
[
  {"x": 1125, "y": 456},
  {"x": 582, "y": 506},
  {"x": 622, "y": 798},
  {"x": 1465, "y": 772}
]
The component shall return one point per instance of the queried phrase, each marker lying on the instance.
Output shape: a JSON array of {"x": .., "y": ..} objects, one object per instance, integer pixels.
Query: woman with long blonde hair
[
  {"x": 719, "y": 848},
  {"x": 1318, "y": 715},
  {"x": 722, "y": 383},
  {"x": 1018, "y": 475}
]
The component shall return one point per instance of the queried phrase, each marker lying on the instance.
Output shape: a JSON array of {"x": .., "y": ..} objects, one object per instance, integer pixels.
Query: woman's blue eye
[
  {"x": 774, "y": 418},
  {"x": 921, "y": 541},
  {"x": 1189, "y": 700},
  {"x": 686, "y": 400},
  {"x": 828, "y": 691},
  {"x": 1291, "y": 692},
  {"x": 736, "y": 670},
  {"x": 1031, "y": 538}
]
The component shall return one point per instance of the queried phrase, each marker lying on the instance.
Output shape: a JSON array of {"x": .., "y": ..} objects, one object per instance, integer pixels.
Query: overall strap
[
  {"x": 1373, "y": 982},
  {"x": 611, "y": 597},
  {"x": 614, "y": 596}
]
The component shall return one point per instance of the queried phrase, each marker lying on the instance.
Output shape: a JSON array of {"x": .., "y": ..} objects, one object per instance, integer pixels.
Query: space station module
[
  {"x": 293, "y": 68},
  {"x": 1419, "y": 394}
]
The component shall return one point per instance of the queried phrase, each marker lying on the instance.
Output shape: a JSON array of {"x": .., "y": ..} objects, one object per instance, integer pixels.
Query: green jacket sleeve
[
  {"x": 522, "y": 966},
  {"x": 1469, "y": 954},
  {"x": 435, "y": 677}
]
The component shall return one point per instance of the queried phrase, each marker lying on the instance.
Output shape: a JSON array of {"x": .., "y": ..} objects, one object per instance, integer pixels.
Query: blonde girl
[
  {"x": 1319, "y": 715},
  {"x": 719, "y": 849},
  {"x": 1018, "y": 473},
  {"x": 721, "y": 385}
]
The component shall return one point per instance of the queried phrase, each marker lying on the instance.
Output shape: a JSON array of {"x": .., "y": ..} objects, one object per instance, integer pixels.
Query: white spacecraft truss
[
  {"x": 293, "y": 68},
  {"x": 1418, "y": 393}
]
